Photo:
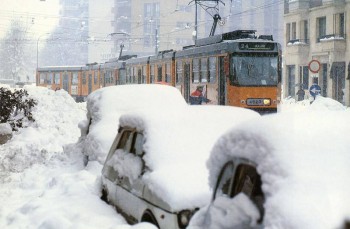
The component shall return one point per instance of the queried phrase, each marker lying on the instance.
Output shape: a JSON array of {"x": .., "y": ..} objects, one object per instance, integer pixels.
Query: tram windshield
[{"x": 254, "y": 70}]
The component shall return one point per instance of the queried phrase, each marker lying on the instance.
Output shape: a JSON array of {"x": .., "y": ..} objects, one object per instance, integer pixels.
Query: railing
[
  {"x": 331, "y": 37},
  {"x": 298, "y": 41}
]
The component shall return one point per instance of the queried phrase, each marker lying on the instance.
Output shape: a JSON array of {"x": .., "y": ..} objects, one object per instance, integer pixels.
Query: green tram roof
[
  {"x": 138, "y": 60},
  {"x": 60, "y": 68}
]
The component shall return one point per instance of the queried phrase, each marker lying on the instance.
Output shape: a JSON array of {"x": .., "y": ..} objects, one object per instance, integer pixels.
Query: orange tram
[{"x": 235, "y": 68}]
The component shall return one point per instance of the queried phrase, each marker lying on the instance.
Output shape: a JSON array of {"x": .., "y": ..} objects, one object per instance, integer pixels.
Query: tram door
[
  {"x": 187, "y": 72},
  {"x": 65, "y": 83},
  {"x": 159, "y": 77},
  {"x": 222, "y": 82}
]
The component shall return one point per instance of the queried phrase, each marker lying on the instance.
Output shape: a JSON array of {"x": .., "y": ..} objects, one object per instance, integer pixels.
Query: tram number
[
  {"x": 256, "y": 46},
  {"x": 255, "y": 102}
]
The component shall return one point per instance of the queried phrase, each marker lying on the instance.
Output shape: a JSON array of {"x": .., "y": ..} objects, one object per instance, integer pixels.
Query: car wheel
[{"x": 149, "y": 218}]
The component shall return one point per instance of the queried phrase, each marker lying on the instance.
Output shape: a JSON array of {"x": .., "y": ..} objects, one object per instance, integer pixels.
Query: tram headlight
[{"x": 267, "y": 102}]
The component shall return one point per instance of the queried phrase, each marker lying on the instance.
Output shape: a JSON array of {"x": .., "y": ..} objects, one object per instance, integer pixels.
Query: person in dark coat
[{"x": 300, "y": 94}]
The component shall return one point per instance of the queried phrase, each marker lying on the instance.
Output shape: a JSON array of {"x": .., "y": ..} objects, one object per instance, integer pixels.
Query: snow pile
[
  {"x": 320, "y": 103},
  {"x": 303, "y": 159},
  {"x": 44, "y": 187},
  {"x": 55, "y": 113},
  {"x": 227, "y": 213}
]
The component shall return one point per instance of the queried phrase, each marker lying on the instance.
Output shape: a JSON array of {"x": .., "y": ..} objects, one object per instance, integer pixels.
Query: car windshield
[{"x": 254, "y": 70}]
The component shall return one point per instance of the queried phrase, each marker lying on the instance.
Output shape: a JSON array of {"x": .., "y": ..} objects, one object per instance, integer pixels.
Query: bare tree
[{"x": 14, "y": 55}]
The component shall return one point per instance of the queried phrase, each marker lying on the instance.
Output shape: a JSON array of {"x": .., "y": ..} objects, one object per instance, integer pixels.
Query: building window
[
  {"x": 304, "y": 77},
  {"x": 294, "y": 31},
  {"x": 339, "y": 25},
  {"x": 321, "y": 28},
  {"x": 151, "y": 23},
  {"x": 288, "y": 37},
  {"x": 304, "y": 30},
  {"x": 291, "y": 80}
]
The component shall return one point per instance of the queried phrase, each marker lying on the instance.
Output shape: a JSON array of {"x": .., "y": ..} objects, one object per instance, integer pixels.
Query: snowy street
[{"x": 44, "y": 183}]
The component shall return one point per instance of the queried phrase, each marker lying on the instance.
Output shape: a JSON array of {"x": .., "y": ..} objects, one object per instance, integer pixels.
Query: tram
[{"x": 236, "y": 68}]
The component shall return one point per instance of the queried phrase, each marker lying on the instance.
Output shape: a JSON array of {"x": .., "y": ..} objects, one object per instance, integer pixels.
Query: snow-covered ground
[{"x": 46, "y": 187}]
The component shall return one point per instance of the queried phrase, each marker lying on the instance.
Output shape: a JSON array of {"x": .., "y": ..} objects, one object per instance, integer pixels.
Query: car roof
[
  {"x": 177, "y": 145},
  {"x": 106, "y": 105}
]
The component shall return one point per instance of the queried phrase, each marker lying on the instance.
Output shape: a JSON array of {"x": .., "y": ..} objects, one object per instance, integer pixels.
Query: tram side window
[
  {"x": 134, "y": 77},
  {"x": 212, "y": 69},
  {"x": 179, "y": 72},
  {"x": 49, "y": 78},
  {"x": 204, "y": 70},
  {"x": 152, "y": 74},
  {"x": 42, "y": 78},
  {"x": 195, "y": 71},
  {"x": 57, "y": 78},
  {"x": 95, "y": 78},
  {"x": 84, "y": 78},
  {"x": 143, "y": 74},
  {"x": 128, "y": 73},
  {"x": 75, "y": 78},
  {"x": 122, "y": 76},
  {"x": 159, "y": 75},
  {"x": 167, "y": 73}
]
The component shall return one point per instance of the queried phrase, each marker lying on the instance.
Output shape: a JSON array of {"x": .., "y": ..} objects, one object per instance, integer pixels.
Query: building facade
[
  {"x": 315, "y": 32},
  {"x": 151, "y": 25}
]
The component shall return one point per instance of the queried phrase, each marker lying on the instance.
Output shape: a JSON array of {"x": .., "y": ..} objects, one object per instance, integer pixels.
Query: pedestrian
[
  {"x": 197, "y": 97},
  {"x": 301, "y": 94}
]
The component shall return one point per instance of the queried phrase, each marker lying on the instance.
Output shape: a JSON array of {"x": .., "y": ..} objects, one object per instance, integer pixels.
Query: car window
[
  {"x": 248, "y": 181},
  {"x": 138, "y": 145},
  {"x": 125, "y": 140},
  {"x": 225, "y": 180}
]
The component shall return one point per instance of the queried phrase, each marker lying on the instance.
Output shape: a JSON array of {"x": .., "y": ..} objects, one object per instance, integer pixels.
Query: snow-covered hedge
[{"x": 16, "y": 108}]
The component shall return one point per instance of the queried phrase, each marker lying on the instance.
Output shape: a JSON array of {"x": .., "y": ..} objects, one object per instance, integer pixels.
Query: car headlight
[{"x": 184, "y": 217}]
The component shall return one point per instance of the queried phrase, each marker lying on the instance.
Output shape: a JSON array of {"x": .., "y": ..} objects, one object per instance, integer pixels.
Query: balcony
[
  {"x": 333, "y": 42},
  {"x": 298, "y": 46}
]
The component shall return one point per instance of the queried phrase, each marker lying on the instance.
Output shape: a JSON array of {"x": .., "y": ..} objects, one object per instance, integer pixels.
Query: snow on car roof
[
  {"x": 177, "y": 146},
  {"x": 107, "y": 104},
  {"x": 303, "y": 159}
]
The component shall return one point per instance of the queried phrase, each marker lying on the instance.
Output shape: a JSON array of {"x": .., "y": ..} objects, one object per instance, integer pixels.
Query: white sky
[
  {"x": 44, "y": 186},
  {"x": 43, "y": 14}
]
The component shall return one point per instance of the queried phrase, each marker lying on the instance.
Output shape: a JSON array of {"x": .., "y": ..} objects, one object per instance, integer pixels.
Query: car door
[
  {"x": 126, "y": 165},
  {"x": 110, "y": 172}
]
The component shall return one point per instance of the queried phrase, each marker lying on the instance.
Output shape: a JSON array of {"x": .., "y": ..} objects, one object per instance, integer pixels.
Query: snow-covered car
[
  {"x": 287, "y": 170},
  {"x": 155, "y": 171},
  {"x": 106, "y": 105}
]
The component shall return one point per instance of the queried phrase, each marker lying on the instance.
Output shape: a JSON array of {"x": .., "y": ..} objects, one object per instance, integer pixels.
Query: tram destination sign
[{"x": 256, "y": 46}]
